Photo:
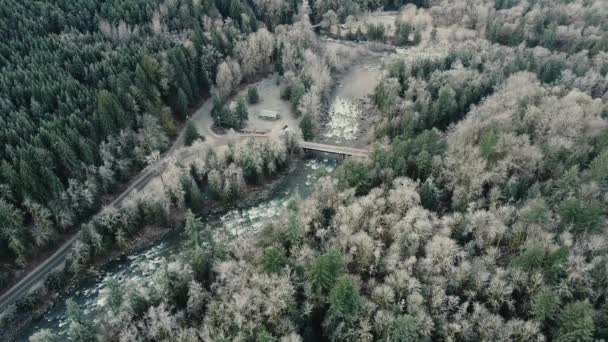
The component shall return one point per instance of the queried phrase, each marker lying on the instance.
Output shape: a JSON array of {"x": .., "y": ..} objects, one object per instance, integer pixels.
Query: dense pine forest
[
  {"x": 89, "y": 90},
  {"x": 480, "y": 214}
]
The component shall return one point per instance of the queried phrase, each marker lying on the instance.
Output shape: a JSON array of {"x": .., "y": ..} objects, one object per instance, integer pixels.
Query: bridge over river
[
  {"x": 341, "y": 150},
  {"x": 38, "y": 274}
]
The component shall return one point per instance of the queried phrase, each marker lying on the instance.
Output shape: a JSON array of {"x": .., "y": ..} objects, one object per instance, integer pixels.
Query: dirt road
[{"x": 203, "y": 121}]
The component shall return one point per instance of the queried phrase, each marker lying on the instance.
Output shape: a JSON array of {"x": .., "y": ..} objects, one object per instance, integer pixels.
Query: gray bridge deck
[
  {"x": 41, "y": 271},
  {"x": 347, "y": 151}
]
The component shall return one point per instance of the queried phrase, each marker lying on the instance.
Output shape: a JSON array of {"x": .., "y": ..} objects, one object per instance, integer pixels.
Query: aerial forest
[{"x": 480, "y": 214}]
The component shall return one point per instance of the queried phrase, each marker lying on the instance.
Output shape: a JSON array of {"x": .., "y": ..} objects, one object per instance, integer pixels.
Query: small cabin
[{"x": 268, "y": 114}]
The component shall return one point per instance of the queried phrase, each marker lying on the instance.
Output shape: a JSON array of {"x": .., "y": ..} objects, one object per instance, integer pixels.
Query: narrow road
[
  {"x": 40, "y": 273},
  {"x": 203, "y": 119}
]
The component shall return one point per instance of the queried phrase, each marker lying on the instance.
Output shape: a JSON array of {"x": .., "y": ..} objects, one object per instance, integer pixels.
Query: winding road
[
  {"x": 203, "y": 118},
  {"x": 39, "y": 274}
]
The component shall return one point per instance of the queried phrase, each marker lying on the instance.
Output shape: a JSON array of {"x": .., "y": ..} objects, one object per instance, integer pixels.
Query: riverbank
[
  {"x": 146, "y": 238},
  {"x": 39, "y": 267},
  {"x": 150, "y": 235},
  {"x": 106, "y": 200}
]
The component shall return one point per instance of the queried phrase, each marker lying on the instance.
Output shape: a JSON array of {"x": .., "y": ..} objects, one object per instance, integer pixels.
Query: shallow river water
[{"x": 143, "y": 263}]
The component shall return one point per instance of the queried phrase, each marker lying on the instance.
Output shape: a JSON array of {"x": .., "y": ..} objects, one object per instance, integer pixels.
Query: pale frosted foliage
[
  {"x": 383, "y": 295},
  {"x": 228, "y": 181},
  {"x": 417, "y": 220},
  {"x": 383, "y": 320},
  {"x": 247, "y": 299},
  {"x": 497, "y": 110},
  {"x": 324, "y": 6},
  {"x": 329, "y": 19},
  {"x": 81, "y": 195},
  {"x": 44, "y": 335},
  {"x": 474, "y": 321},
  {"x": 233, "y": 180},
  {"x": 600, "y": 60},
  {"x": 117, "y": 30},
  {"x": 129, "y": 334},
  {"x": 316, "y": 70},
  {"x": 42, "y": 229},
  {"x": 479, "y": 322},
  {"x": 593, "y": 84},
  {"x": 159, "y": 322},
  {"x": 171, "y": 179},
  {"x": 200, "y": 167},
  {"x": 114, "y": 152},
  {"x": 255, "y": 152},
  {"x": 415, "y": 304},
  {"x": 106, "y": 175},
  {"x": 256, "y": 52},
  {"x": 326, "y": 193},
  {"x": 438, "y": 299},
  {"x": 273, "y": 9},
  {"x": 566, "y": 119},
  {"x": 554, "y": 120},
  {"x": 242, "y": 248},
  {"x": 596, "y": 244},
  {"x": 456, "y": 77},
  {"x": 418, "y": 16},
  {"x": 453, "y": 12},
  {"x": 94, "y": 239},
  {"x": 310, "y": 104},
  {"x": 312, "y": 69},
  {"x": 291, "y": 57},
  {"x": 135, "y": 289},
  {"x": 308, "y": 214},
  {"x": 157, "y": 26},
  {"x": 152, "y": 158},
  {"x": 79, "y": 255},
  {"x": 106, "y": 28},
  {"x": 347, "y": 219},
  {"x": 151, "y": 138},
  {"x": 186, "y": 335},
  {"x": 485, "y": 227},
  {"x": 519, "y": 330},
  {"x": 340, "y": 57},
  {"x": 403, "y": 195},
  {"x": 466, "y": 167},
  {"x": 196, "y": 299},
  {"x": 499, "y": 289},
  {"x": 295, "y": 39},
  {"x": 237, "y": 76},
  {"x": 362, "y": 214},
  {"x": 406, "y": 245},
  {"x": 421, "y": 258},
  {"x": 417, "y": 90},
  {"x": 578, "y": 276},
  {"x": 304, "y": 256},
  {"x": 178, "y": 271},
  {"x": 361, "y": 252},
  {"x": 293, "y": 337},
  {"x": 441, "y": 254},
  {"x": 228, "y": 78},
  {"x": 215, "y": 181}
]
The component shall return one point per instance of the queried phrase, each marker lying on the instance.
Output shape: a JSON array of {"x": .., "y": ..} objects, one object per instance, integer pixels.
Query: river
[
  {"x": 348, "y": 125},
  {"x": 300, "y": 182}
]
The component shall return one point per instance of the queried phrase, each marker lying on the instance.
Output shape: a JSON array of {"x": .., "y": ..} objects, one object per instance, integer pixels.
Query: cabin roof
[{"x": 268, "y": 113}]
